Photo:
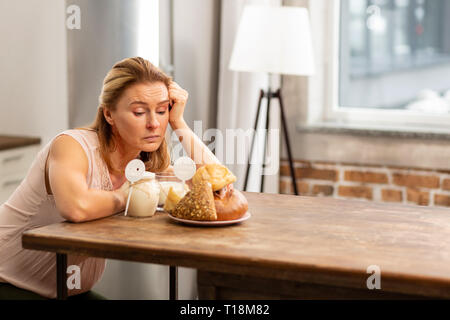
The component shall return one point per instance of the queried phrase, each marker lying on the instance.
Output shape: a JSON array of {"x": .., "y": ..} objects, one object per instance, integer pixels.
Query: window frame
[{"x": 323, "y": 88}]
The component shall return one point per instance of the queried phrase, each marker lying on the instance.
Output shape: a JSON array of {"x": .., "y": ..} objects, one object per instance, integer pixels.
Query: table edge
[{"x": 346, "y": 277}]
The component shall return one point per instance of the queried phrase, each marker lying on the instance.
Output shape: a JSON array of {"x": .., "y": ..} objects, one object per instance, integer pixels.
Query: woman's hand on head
[{"x": 178, "y": 99}]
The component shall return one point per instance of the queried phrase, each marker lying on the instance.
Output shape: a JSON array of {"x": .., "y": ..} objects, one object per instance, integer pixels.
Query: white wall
[
  {"x": 196, "y": 52},
  {"x": 33, "y": 81}
]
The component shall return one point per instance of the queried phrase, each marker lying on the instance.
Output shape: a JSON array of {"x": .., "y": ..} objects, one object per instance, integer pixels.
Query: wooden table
[{"x": 291, "y": 247}]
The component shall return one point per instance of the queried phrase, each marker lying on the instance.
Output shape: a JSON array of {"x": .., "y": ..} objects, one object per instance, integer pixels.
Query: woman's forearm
[{"x": 193, "y": 145}]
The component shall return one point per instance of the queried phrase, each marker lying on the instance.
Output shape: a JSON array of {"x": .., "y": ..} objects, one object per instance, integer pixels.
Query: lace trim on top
[{"x": 105, "y": 179}]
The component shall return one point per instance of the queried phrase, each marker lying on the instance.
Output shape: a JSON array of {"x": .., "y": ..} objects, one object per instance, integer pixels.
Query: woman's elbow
[
  {"x": 74, "y": 213},
  {"x": 75, "y": 216}
]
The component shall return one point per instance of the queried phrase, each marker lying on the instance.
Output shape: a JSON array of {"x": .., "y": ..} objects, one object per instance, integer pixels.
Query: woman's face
[{"x": 141, "y": 116}]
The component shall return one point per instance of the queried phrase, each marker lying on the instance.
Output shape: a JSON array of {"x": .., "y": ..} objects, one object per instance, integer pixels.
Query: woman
[{"x": 79, "y": 175}]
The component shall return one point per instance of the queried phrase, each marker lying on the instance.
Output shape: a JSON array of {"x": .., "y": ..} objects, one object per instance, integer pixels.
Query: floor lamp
[{"x": 273, "y": 40}]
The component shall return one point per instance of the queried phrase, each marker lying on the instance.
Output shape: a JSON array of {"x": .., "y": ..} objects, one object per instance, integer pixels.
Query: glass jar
[
  {"x": 144, "y": 197},
  {"x": 167, "y": 180}
]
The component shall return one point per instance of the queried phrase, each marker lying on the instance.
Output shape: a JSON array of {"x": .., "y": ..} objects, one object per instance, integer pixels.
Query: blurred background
[{"x": 372, "y": 123}]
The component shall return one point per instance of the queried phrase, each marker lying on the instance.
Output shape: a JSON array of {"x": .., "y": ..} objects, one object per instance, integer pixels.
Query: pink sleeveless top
[{"x": 31, "y": 207}]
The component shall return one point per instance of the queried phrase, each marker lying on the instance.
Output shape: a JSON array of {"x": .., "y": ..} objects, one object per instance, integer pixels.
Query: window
[
  {"x": 386, "y": 61},
  {"x": 384, "y": 44}
]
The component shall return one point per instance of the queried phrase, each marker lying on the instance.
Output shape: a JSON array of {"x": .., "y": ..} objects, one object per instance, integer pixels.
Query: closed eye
[{"x": 138, "y": 114}]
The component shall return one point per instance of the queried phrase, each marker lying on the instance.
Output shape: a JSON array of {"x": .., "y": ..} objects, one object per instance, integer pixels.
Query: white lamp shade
[{"x": 273, "y": 40}]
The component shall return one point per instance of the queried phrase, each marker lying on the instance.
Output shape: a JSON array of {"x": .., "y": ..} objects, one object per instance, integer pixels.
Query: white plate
[{"x": 246, "y": 216}]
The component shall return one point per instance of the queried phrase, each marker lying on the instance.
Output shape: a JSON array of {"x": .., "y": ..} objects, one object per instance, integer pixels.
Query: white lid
[{"x": 148, "y": 175}]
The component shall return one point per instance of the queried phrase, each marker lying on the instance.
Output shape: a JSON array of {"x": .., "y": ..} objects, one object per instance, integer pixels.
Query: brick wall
[{"x": 371, "y": 183}]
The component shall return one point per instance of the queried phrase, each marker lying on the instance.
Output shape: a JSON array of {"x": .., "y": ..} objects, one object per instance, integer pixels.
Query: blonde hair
[{"x": 123, "y": 74}]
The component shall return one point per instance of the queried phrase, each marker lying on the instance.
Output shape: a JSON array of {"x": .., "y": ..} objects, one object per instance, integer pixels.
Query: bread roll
[
  {"x": 197, "y": 204},
  {"x": 232, "y": 206},
  {"x": 212, "y": 196},
  {"x": 218, "y": 175}
]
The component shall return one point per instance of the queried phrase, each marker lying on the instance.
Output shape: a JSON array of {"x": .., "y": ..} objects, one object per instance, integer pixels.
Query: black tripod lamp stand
[{"x": 271, "y": 95}]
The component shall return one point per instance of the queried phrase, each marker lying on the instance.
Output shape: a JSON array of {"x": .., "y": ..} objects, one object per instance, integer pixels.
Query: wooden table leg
[
  {"x": 173, "y": 277},
  {"x": 61, "y": 276}
]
